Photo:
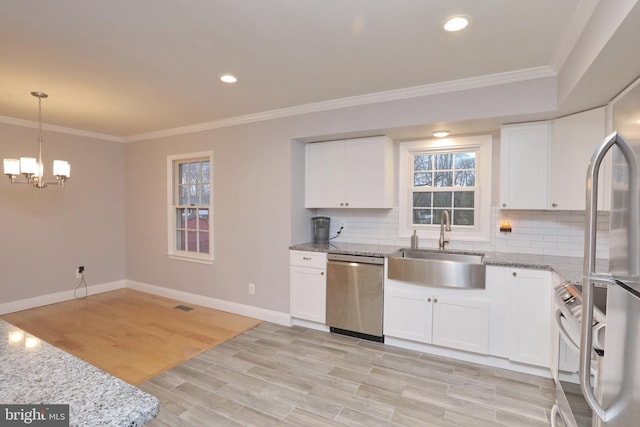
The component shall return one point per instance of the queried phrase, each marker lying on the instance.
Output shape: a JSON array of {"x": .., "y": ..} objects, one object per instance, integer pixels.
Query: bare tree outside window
[
  {"x": 444, "y": 182},
  {"x": 192, "y": 206}
]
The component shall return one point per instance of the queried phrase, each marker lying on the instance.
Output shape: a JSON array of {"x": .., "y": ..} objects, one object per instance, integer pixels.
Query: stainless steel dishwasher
[{"x": 354, "y": 295}]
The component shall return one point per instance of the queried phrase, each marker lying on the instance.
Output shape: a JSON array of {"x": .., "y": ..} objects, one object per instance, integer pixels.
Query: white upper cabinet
[
  {"x": 543, "y": 165},
  {"x": 524, "y": 165},
  {"x": 575, "y": 138},
  {"x": 354, "y": 173}
]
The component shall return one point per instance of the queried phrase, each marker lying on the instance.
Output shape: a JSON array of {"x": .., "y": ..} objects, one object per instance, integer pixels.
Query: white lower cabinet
[
  {"x": 453, "y": 318},
  {"x": 521, "y": 325},
  {"x": 308, "y": 285}
]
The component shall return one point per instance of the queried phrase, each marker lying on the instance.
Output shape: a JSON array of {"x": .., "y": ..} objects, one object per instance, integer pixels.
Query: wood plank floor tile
[{"x": 294, "y": 376}]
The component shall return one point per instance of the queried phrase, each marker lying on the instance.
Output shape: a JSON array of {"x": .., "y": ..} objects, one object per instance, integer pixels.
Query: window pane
[
  {"x": 194, "y": 172},
  {"x": 463, "y": 199},
  {"x": 183, "y": 195},
  {"x": 442, "y": 200},
  {"x": 183, "y": 173},
  {"x": 422, "y": 216},
  {"x": 443, "y": 179},
  {"x": 463, "y": 217},
  {"x": 191, "y": 219},
  {"x": 465, "y": 161},
  {"x": 193, "y": 195},
  {"x": 204, "y": 242},
  {"x": 192, "y": 242},
  {"x": 437, "y": 213},
  {"x": 206, "y": 167},
  {"x": 466, "y": 178},
  {"x": 421, "y": 200},
  {"x": 443, "y": 161},
  {"x": 422, "y": 163},
  {"x": 206, "y": 194},
  {"x": 181, "y": 218},
  {"x": 421, "y": 179},
  {"x": 180, "y": 240}
]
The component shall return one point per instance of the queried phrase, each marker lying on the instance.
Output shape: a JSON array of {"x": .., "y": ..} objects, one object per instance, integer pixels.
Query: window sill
[{"x": 208, "y": 261}]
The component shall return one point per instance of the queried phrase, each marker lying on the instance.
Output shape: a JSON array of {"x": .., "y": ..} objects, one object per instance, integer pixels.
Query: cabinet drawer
[{"x": 308, "y": 259}]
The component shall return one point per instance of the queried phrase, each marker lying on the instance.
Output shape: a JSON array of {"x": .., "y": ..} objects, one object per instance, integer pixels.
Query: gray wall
[
  {"x": 259, "y": 188},
  {"x": 47, "y": 233}
]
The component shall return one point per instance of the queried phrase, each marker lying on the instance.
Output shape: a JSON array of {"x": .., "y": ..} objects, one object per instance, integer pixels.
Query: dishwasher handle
[{"x": 361, "y": 259}]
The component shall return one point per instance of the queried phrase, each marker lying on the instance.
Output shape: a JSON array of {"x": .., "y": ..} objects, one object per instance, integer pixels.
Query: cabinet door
[
  {"x": 407, "y": 313},
  {"x": 368, "y": 173},
  {"x": 530, "y": 317},
  {"x": 498, "y": 285},
  {"x": 575, "y": 138},
  {"x": 325, "y": 185},
  {"x": 524, "y": 165},
  {"x": 461, "y": 323},
  {"x": 308, "y": 293}
]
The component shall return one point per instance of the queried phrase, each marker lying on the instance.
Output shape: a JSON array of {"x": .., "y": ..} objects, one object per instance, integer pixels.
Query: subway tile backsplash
[{"x": 534, "y": 232}]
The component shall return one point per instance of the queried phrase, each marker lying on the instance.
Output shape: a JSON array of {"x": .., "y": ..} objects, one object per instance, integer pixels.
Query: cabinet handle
[
  {"x": 435, "y": 300},
  {"x": 306, "y": 258},
  {"x": 554, "y": 205},
  {"x": 322, "y": 273},
  {"x": 428, "y": 299},
  {"x": 341, "y": 204},
  {"x": 504, "y": 205},
  {"x": 514, "y": 274},
  {"x": 346, "y": 204}
]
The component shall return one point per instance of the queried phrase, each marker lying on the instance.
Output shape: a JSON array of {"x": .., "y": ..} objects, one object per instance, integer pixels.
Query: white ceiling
[{"x": 125, "y": 68}]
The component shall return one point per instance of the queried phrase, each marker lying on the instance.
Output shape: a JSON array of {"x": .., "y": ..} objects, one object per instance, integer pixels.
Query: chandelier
[{"x": 31, "y": 168}]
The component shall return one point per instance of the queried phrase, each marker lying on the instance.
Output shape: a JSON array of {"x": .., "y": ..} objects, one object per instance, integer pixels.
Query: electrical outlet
[
  {"x": 79, "y": 271},
  {"x": 252, "y": 289}
]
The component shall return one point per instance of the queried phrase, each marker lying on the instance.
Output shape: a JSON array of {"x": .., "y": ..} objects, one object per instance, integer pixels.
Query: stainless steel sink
[{"x": 438, "y": 269}]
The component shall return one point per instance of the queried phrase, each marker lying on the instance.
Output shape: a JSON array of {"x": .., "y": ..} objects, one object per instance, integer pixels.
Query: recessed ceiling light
[
  {"x": 228, "y": 78},
  {"x": 456, "y": 23},
  {"x": 441, "y": 133}
]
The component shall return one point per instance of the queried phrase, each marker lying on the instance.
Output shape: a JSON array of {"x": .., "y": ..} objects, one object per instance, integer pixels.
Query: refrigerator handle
[{"x": 589, "y": 269}]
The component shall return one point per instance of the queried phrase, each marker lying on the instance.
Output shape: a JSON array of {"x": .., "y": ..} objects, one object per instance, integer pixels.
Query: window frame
[
  {"x": 172, "y": 185},
  {"x": 481, "y": 145}
]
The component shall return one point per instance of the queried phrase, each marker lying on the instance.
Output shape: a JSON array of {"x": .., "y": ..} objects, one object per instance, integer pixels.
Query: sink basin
[{"x": 438, "y": 269}]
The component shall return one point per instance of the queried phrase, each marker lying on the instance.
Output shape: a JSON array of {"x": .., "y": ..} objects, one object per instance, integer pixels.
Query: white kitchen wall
[{"x": 533, "y": 232}]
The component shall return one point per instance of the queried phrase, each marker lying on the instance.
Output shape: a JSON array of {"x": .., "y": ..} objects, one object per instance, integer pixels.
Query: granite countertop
[
  {"x": 44, "y": 374},
  {"x": 348, "y": 248},
  {"x": 569, "y": 268}
]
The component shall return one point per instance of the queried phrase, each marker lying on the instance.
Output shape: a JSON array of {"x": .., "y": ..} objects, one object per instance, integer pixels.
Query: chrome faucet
[{"x": 444, "y": 217}]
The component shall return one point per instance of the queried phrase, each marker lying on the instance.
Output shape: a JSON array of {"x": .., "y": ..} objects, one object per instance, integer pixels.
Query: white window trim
[
  {"x": 481, "y": 144},
  {"x": 171, "y": 212}
]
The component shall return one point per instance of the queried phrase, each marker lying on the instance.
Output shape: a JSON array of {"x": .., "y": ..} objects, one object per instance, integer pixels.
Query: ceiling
[{"x": 124, "y": 68}]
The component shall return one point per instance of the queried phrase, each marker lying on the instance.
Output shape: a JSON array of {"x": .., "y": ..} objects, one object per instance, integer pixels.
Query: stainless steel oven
[{"x": 571, "y": 408}]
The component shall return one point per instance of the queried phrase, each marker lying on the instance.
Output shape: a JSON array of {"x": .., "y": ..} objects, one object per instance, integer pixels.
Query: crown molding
[
  {"x": 488, "y": 80},
  {"x": 497, "y": 79},
  {"x": 60, "y": 129}
]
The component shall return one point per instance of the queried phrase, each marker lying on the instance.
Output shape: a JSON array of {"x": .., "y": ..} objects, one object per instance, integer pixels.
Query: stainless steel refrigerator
[{"x": 616, "y": 399}]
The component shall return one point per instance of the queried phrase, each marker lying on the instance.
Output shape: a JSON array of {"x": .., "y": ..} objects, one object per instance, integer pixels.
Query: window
[
  {"x": 452, "y": 175},
  {"x": 190, "y": 207}
]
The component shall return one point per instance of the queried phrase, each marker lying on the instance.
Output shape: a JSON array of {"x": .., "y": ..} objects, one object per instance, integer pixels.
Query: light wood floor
[
  {"x": 275, "y": 375},
  {"x": 132, "y": 335}
]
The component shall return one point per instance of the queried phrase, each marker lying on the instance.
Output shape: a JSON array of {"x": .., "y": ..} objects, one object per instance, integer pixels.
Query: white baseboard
[
  {"x": 39, "y": 301},
  {"x": 218, "y": 304}
]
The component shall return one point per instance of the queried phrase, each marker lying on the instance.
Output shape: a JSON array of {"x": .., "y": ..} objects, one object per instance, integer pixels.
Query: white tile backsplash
[{"x": 534, "y": 232}]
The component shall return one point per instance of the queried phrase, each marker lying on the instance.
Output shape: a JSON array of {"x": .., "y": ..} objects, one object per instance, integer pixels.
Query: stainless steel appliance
[
  {"x": 571, "y": 409},
  {"x": 354, "y": 295},
  {"x": 320, "y": 229},
  {"x": 619, "y": 403}
]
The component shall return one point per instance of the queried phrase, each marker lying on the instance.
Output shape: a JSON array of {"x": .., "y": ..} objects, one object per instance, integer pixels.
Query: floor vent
[{"x": 183, "y": 307}]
